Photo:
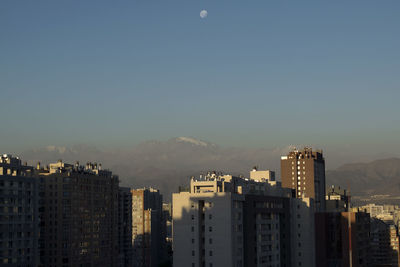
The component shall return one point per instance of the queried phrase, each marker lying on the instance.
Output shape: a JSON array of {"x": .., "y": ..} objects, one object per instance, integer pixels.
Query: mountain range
[{"x": 169, "y": 164}]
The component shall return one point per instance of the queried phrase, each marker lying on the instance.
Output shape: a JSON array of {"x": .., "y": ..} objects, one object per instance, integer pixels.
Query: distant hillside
[{"x": 379, "y": 177}]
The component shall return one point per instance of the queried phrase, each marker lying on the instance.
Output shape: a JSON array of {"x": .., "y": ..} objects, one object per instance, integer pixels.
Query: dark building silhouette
[
  {"x": 80, "y": 215},
  {"x": 19, "y": 217},
  {"x": 384, "y": 244},
  {"x": 125, "y": 250},
  {"x": 342, "y": 237}
]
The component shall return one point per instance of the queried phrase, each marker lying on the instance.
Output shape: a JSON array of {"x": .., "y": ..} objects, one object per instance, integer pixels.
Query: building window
[
  {"x": 210, "y": 229},
  {"x": 210, "y": 253},
  {"x": 210, "y": 241},
  {"x": 192, "y": 252}
]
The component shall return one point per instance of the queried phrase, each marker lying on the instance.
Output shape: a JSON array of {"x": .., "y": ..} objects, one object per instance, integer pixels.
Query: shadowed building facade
[
  {"x": 125, "y": 227},
  {"x": 80, "y": 215},
  {"x": 19, "y": 218},
  {"x": 148, "y": 228},
  {"x": 341, "y": 238}
]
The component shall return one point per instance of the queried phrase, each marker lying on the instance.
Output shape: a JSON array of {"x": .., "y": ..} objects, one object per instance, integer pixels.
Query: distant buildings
[
  {"x": 19, "y": 214},
  {"x": 304, "y": 171},
  {"x": 231, "y": 221},
  {"x": 386, "y": 213}
]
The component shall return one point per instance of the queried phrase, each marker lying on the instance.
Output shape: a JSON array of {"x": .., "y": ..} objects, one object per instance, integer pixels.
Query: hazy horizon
[{"x": 334, "y": 157}]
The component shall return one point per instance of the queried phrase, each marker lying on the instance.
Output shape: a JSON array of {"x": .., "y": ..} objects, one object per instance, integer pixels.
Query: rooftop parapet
[
  {"x": 62, "y": 167},
  {"x": 263, "y": 184}
]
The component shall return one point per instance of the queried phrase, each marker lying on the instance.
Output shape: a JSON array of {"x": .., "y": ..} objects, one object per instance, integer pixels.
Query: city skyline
[
  {"x": 266, "y": 74},
  {"x": 199, "y": 133}
]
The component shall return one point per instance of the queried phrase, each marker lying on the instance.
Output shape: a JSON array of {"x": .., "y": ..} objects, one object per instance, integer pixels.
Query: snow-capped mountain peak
[{"x": 191, "y": 140}]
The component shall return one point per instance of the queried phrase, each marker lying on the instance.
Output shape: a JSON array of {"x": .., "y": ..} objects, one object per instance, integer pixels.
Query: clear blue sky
[{"x": 253, "y": 73}]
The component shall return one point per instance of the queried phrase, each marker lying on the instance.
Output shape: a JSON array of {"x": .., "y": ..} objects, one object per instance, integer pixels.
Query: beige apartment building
[{"x": 232, "y": 221}]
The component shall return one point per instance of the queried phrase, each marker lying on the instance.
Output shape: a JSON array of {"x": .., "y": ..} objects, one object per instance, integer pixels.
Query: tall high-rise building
[
  {"x": 231, "y": 221},
  {"x": 80, "y": 215},
  {"x": 148, "y": 228},
  {"x": 19, "y": 218},
  {"x": 125, "y": 227},
  {"x": 304, "y": 171}
]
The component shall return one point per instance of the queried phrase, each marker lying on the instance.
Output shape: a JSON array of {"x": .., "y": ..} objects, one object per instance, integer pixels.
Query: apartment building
[
  {"x": 125, "y": 250},
  {"x": 148, "y": 228},
  {"x": 232, "y": 221},
  {"x": 343, "y": 239},
  {"x": 384, "y": 244},
  {"x": 304, "y": 172},
  {"x": 80, "y": 215},
  {"x": 19, "y": 217}
]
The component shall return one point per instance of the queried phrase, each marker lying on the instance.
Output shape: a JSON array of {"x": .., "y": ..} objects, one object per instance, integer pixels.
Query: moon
[{"x": 203, "y": 14}]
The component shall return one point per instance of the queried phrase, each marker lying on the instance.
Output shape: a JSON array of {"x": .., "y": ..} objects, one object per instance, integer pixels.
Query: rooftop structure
[{"x": 337, "y": 199}]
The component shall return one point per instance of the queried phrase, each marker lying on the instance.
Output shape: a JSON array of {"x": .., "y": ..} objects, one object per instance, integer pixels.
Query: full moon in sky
[{"x": 203, "y": 14}]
